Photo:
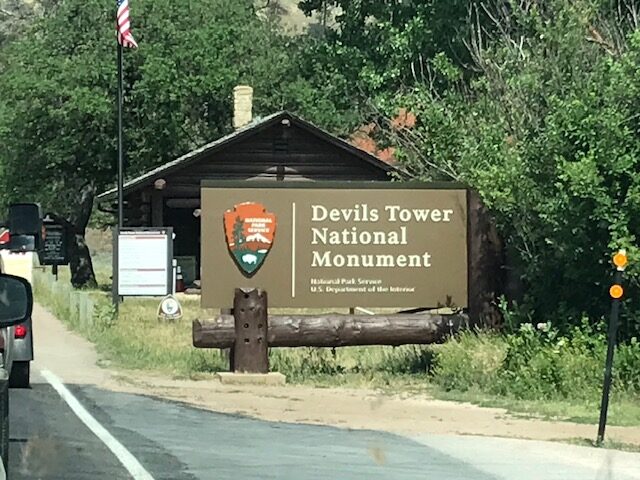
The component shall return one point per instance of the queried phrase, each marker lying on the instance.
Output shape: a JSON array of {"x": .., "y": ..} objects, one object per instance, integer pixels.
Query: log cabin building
[{"x": 279, "y": 147}]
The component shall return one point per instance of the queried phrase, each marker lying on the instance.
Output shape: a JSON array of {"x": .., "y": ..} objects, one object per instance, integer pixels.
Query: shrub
[
  {"x": 540, "y": 363},
  {"x": 537, "y": 363},
  {"x": 627, "y": 366}
]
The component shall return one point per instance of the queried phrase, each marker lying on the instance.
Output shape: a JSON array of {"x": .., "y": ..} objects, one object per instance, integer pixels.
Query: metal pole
[
  {"x": 120, "y": 145},
  {"x": 606, "y": 387},
  {"x": 116, "y": 297}
]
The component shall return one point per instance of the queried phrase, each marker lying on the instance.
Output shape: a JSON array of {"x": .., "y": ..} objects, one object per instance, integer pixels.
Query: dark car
[
  {"x": 21, "y": 265},
  {"x": 22, "y": 355},
  {"x": 16, "y": 303}
]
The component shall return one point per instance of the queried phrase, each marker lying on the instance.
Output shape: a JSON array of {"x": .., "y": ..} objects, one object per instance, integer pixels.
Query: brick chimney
[{"x": 242, "y": 104}]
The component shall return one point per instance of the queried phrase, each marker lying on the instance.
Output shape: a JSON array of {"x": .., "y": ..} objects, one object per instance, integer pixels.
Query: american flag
[{"x": 125, "y": 38}]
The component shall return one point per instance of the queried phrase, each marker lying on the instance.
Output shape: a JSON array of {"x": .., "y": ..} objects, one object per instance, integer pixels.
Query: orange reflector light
[
  {"x": 620, "y": 259},
  {"x": 616, "y": 291}
]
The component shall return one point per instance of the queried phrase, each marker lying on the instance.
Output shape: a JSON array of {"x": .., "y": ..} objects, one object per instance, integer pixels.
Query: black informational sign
[{"x": 54, "y": 246}]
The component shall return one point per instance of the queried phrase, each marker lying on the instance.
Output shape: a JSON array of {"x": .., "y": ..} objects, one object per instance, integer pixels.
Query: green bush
[
  {"x": 537, "y": 363},
  {"x": 540, "y": 363},
  {"x": 627, "y": 366}
]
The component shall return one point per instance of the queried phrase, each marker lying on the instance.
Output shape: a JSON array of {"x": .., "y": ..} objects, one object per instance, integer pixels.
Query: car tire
[
  {"x": 20, "y": 373},
  {"x": 4, "y": 424}
]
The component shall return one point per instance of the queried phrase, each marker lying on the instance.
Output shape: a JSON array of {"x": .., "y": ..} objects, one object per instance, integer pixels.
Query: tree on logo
[{"x": 238, "y": 233}]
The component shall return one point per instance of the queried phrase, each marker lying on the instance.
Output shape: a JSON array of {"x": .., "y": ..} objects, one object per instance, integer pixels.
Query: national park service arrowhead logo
[{"x": 250, "y": 231}]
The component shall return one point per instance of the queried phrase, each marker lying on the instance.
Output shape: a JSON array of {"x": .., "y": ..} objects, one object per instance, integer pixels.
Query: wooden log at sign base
[
  {"x": 249, "y": 327},
  {"x": 336, "y": 330}
]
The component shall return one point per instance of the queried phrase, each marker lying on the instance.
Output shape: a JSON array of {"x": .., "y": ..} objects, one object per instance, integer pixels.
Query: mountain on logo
[
  {"x": 249, "y": 230},
  {"x": 258, "y": 237}
]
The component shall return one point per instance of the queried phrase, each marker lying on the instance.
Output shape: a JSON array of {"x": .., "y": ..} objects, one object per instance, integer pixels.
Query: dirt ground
[{"x": 74, "y": 359}]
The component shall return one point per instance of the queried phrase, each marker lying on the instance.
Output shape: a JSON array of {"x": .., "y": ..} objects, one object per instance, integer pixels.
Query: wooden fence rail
[
  {"x": 249, "y": 331},
  {"x": 335, "y": 330}
]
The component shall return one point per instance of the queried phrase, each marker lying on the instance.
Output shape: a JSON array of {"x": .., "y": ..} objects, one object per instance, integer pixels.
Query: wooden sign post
[{"x": 250, "y": 353}]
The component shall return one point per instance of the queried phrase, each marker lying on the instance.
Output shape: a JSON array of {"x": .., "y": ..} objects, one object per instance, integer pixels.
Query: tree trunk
[
  {"x": 486, "y": 260},
  {"x": 80, "y": 264},
  {"x": 333, "y": 330},
  {"x": 82, "y": 274}
]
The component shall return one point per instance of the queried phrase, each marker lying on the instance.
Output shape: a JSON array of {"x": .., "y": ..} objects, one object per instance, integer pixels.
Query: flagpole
[
  {"x": 120, "y": 144},
  {"x": 115, "y": 294},
  {"x": 124, "y": 37}
]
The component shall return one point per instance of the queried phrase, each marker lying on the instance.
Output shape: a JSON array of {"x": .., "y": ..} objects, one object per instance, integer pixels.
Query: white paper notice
[{"x": 143, "y": 264}]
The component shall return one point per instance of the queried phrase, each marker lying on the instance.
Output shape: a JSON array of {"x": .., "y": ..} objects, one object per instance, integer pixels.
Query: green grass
[
  {"x": 609, "y": 444},
  {"x": 136, "y": 339},
  {"x": 624, "y": 408},
  {"x": 391, "y": 369}
]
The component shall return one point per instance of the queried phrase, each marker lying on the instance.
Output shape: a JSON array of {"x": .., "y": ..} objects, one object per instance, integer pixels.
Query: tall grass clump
[
  {"x": 367, "y": 366},
  {"x": 536, "y": 363},
  {"x": 469, "y": 361}
]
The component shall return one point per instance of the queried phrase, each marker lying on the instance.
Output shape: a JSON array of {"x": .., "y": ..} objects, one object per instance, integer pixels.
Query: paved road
[
  {"x": 47, "y": 440},
  {"x": 175, "y": 441}
]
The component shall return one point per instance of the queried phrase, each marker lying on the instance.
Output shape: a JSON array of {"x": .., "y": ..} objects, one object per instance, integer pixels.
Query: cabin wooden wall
[{"x": 276, "y": 153}]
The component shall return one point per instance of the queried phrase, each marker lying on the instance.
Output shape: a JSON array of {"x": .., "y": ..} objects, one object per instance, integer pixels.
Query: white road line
[{"x": 129, "y": 462}]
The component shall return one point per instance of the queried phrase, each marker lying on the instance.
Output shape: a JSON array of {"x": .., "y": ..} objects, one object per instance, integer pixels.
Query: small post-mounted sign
[
  {"x": 169, "y": 309},
  {"x": 616, "y": 292},
  {"x": 143, "y": 262},
  {"x": 54, "y": 250},
  {"x": 25, "y": 227}
]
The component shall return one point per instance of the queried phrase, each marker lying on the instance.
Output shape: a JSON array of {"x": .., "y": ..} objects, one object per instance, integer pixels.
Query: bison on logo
[{"x": 250, "y": 231}]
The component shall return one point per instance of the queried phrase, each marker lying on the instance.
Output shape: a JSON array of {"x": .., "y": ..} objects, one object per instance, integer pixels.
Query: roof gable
[{"x": 205, "y": 152}]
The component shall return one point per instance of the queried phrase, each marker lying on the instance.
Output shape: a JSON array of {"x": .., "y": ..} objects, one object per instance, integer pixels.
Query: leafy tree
[
  {"x": 375, "y": 49},
  {"x": 57, "y": 111},
  {"x": 548, "y": 134},
  {"x": 534, "y": 104}
]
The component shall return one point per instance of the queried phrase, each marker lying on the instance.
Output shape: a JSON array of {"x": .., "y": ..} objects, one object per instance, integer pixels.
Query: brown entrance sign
[{"x": 337, "y": 245}]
